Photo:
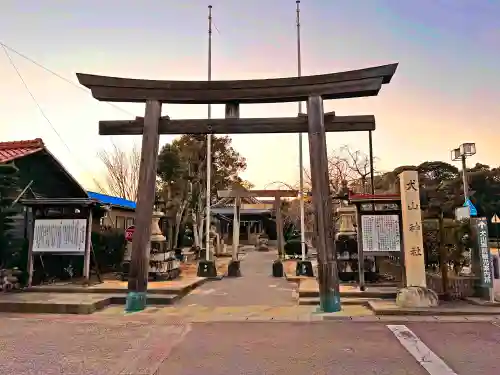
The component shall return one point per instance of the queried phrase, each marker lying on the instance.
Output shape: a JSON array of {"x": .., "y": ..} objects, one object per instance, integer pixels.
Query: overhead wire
[
  {"x": 41, "y": 66},
  {"x": 55, "y": 74},
  {"x": 42, "y": 112}
]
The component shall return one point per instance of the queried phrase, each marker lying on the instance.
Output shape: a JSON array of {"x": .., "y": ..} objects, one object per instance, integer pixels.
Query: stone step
[
  {"x": 53, "y": 303},
  {"x": 352, "y": 294},
  {"x": 152, "y": 299},
  {"x": 458, "y": 308},
  {"x": 113, "y": 287},
  {"x": 71, "y": 303},
  {"x": 314, "y": 301}
]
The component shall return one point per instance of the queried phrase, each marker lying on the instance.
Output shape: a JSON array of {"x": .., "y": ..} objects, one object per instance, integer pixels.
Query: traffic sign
[
  {"x": 472, "y": 208},
  {"x": 495, "y": 219},
  {"x": 129, "y": 232}
]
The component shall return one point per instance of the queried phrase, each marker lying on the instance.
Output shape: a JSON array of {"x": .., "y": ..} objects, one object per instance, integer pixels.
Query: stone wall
[{"x": 458, "y": 286}]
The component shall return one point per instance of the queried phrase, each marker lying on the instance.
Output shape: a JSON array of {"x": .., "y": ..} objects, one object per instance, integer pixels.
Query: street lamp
[{"x": 461, "y": 153}]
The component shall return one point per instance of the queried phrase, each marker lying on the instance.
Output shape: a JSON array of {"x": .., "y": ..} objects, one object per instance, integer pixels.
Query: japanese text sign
[
  {"x": 484, "y": 252},
  {"x": 412, "y": 229}
]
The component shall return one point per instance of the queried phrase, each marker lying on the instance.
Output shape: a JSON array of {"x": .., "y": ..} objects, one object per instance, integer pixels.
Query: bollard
[
  {"x": 304, "y": 268},
  {"x": 233, "y": 269},
  {"x": 206, "y": 268},
  {"x": 278, "y": 268}
]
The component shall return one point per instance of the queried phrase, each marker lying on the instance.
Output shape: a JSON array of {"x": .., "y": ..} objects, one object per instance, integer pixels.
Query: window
[
  {"x": 120, "y": 222},
  {"x": 130, "y": 221}
]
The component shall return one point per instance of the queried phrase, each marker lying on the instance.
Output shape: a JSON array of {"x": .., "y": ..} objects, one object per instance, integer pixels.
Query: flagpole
[
  {"x": 209, "y": 139},
  {"x": 301, "y": 156}
]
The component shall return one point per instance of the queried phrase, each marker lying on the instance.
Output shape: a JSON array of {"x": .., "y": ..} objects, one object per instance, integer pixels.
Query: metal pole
[
  {"x": 370, "y": 146},
  {"x": 209, "y": 139},
  {"x": 464, "y": 177},
  {"x": 236, "y": 228},
  {"x": 301, "y": 157},
  {"x": 498, "y": 238}
]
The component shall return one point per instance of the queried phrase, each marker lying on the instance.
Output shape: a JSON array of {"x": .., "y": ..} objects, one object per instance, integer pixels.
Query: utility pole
[
  {"x": 209, "y": 138},
  {"x": 304, "y": 268},
  {"x": 207, "y": 268}
]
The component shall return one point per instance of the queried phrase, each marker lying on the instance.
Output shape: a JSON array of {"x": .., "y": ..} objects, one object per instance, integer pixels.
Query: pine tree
[{"x": 8, "y": 188}]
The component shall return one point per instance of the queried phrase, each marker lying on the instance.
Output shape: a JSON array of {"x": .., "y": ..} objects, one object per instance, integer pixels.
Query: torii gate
[
  {"x": 313, "y": 89},
  {"x": 234, "y": 269}
]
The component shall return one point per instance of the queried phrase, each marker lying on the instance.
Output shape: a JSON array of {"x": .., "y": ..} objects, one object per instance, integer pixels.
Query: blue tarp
[{"x": 113, "y": 201}]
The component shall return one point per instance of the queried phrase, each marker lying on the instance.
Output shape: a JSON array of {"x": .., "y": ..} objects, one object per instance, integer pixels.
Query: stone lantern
[
  {"x": 347, "y": 221},
  {"x": 345, "y": 240},
  {"x": 156, "y": 233}
]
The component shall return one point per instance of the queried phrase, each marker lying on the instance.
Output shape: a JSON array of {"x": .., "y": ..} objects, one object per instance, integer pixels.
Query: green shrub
[
  {"x": 109, "y": 248},
  {"x": 293, "y": 247}
]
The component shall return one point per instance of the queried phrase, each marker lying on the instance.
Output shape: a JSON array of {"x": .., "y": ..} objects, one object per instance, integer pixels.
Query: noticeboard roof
[{"x": 368, "y": 198}]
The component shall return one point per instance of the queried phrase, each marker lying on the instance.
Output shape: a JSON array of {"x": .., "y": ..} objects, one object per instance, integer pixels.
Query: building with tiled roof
[
  {"x": 40, "y": 176},
  {"x": 40, "y": 169}
]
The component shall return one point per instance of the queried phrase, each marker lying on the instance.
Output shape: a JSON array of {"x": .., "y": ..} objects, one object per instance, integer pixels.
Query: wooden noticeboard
[{"x": 380, "y": 233}]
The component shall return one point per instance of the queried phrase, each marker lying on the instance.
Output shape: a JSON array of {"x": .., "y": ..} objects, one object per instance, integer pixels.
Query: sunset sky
[{"x": 446, "y": 90}]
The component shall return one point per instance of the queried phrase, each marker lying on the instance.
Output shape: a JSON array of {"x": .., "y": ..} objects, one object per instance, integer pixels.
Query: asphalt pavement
[
  {"x": 167, "y": 343},
  {"x": 86, "y": 345}
]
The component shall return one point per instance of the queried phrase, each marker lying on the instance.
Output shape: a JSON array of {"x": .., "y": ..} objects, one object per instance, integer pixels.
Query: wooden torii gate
[
  {"x": 313, "y": 89},
  {"x": 234, "y": 268}
]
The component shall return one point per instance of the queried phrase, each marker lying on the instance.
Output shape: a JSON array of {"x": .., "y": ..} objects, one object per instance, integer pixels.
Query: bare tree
[
  {"x": 345, "y": 167},
  {"x": 122, "y": 167},
  {"x": 357, "y": 164}
]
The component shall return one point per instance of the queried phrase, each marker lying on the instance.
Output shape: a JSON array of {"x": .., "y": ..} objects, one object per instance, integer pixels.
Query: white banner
[
  {"x": 59, "y": 236},
  {"x": 381, "y": 233}
]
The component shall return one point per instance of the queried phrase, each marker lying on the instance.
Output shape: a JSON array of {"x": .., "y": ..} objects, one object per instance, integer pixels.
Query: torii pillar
[{"x": 234, "y": 266}]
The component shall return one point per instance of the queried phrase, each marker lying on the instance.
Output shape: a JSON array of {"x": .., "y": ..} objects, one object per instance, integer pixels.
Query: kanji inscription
[{"x": 381, "y": 233}]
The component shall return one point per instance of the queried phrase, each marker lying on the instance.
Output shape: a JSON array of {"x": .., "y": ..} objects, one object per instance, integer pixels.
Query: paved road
[
  {"x": 336, "y": 349},
  {"x": 86, "y": 345},
  {"x": 256, "y": 286}
]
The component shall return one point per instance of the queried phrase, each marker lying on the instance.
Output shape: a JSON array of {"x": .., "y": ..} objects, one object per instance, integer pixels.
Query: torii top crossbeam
[{"x": 350, "y": 84}]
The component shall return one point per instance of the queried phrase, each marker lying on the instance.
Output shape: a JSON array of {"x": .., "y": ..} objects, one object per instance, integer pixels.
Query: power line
[
  {"x": 42, "y": 111},
  {"x": 79, "y": 87},
  {"x": 55, "y": 74}
]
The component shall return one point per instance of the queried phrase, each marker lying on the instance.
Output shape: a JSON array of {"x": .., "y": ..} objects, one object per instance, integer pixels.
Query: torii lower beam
[
  {"x": 239, "y": 126},
  {"x": 276, "y": 194}
]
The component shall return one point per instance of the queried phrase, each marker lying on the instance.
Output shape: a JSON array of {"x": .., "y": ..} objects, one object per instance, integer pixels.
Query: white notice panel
[
  {"x": 380, "y": 233},
  {"x": 59, "y": 236}
]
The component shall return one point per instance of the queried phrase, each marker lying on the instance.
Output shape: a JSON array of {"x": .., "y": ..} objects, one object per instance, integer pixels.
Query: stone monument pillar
[{"x": 416, "y": 293}]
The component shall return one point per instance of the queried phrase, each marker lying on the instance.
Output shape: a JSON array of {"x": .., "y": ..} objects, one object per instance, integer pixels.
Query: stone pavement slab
[
  {"x": 197, "y": 313},
  {"x": 256, "y": 286}
]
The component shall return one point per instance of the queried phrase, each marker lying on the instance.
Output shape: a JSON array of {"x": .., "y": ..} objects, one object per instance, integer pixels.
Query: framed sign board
[
  {"x": 381, "y": 233},
  {"x": 60, "y": 236}
]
